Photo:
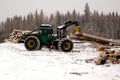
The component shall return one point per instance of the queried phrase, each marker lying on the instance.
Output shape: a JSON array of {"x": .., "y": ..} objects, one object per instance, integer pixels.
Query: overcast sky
[{"x": 9, "y": 8}]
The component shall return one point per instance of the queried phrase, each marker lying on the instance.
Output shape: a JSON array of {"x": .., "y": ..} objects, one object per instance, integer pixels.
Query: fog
[{"x": 9, "y": 8}]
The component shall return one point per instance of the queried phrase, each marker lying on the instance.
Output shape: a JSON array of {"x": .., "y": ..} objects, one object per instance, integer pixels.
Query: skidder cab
[
  {"x": 44, "y": 36},
  {"x": 36, "y": 38}
]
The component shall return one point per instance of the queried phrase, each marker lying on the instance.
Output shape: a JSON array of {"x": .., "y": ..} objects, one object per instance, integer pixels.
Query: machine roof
[{"x": 46, "y": 25}]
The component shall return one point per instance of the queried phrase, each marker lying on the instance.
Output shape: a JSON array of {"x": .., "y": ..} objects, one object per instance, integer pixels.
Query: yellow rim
[
  {"x": 66, "y": 45},
  {"x": 31, "y": 43}
]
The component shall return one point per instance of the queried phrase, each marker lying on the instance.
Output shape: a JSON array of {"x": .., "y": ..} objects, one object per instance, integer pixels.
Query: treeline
[{"x": 95, "y": 23}]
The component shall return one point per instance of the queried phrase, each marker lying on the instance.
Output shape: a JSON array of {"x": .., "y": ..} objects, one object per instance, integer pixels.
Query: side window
[
  {"x": 40, "y": 31},
  {"x": 47, "y": 31},
  {"x": 44, "y": 32}
]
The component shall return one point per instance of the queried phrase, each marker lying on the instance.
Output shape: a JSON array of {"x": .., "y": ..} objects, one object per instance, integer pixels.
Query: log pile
[
  {"x": 16, "y": 36},
  {"x": 108, "y": 56}
]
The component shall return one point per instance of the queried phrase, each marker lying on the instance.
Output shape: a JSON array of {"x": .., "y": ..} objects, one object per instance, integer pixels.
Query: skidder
[{"x": 44, "y": 36}]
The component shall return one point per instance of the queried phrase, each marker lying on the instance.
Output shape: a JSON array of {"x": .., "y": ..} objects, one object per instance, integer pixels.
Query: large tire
[
  {"x": 32, "y": 43},
  {"x": 65, "y": 45}
]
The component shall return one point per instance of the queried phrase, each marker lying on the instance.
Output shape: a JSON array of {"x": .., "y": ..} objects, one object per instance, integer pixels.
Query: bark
[{"x": 98, "y": 39}]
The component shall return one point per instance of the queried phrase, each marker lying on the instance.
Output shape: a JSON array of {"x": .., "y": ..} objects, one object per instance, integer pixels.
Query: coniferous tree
[
  {"x": 58, "y": 18},
  {"x": 36, "y": 18},
  {"x": 74, "y": 15},
  {"x": 41, "y": 17},
  {"x": 87, "y": 13}
]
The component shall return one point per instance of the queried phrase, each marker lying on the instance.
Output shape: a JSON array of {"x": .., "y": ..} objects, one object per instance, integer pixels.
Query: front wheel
[
  {"x": 32, "y": 43},
  {"x": 65, "y": 45}
]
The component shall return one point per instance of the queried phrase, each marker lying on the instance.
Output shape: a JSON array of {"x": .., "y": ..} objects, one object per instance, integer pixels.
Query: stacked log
[
  {"x": 17, "y": 36},
  {"x": 108, "y": 56}
]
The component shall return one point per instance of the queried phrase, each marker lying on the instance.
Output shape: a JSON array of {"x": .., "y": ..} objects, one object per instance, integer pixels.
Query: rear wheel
[
  {"x": 32, "y": 43},
  {"x": 65, "y": 45}
]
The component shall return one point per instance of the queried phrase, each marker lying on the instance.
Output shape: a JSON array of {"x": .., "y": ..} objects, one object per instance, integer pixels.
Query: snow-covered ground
[{"x": 16, "y": 63}]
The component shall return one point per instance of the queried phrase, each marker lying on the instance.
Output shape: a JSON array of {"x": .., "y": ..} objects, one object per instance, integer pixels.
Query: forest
[{"x": 95, "y": 23}]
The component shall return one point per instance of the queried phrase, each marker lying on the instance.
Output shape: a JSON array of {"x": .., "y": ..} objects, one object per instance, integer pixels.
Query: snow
[
  {"x": 16, "y": 63},
  {"x": 46, "y": 25},
  {"x": 59, "y": 27}
]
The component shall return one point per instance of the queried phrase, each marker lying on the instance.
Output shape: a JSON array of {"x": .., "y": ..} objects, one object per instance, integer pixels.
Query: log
[
  {"x": 102, "y": 48},
  {"x": 100, "y": 61},
  {"x": 76, "y": 51},
  {"x": 98, "y": 39}
]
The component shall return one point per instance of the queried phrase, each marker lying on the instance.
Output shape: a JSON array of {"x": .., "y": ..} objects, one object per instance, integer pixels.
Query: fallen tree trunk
[{"x": 97, "y": 39}]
